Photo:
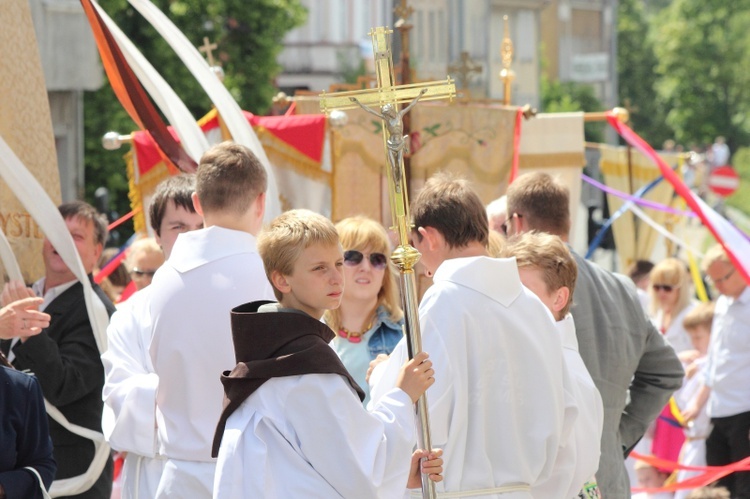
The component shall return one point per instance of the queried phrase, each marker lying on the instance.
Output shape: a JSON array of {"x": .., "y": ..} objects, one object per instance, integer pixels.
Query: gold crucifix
[
  {"x": 387, "y": 97},
  {"x": 208, "y": 48}
]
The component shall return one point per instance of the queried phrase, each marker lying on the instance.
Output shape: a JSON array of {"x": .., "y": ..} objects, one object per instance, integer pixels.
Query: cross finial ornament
[
  {"x": 403, "y": 10},
  {"x": 208, "y": 48},
  {"x": 386, "y": 97},
  {"x": 464, "y": 69}
]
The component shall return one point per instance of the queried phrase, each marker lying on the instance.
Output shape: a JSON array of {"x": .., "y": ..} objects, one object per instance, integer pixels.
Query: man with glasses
[
  {"x": 726, "y": 383},
  {"x": 633, "y": 367}
]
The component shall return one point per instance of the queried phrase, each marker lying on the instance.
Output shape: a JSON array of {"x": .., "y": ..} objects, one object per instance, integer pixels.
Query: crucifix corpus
[{"x": 387, "y": 97}]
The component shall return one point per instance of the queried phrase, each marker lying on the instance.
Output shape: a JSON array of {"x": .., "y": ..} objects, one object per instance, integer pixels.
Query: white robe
[
  {"x": 676, "y": 335},
  {"x": 693, "y": 451},
  {"x": 497, "y": 407},
  {"x": 579, "y": 458},
  {"x": 309, "y": 437},
  {"x": 130, "y": 392},
  {"x": 209, "y": 272}
]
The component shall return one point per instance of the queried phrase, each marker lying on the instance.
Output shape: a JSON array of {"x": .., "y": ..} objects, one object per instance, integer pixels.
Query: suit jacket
[
  {"x": 633, "y": 367},
  {"x": 65, "y": 359},
  {"x": 24, "y": 437}
]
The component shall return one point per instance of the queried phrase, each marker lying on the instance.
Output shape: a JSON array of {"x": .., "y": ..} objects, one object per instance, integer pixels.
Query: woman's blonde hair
[
  {"x": 360, "y": 233},
  {"x": 672, "y": 272}
]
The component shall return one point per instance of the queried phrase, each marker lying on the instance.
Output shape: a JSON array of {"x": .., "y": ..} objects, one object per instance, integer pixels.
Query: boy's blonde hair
[
  {"x": 288, "y": 235},
  {"x": 701, "y": 315},
  {"x": 360, "y": 233},
  {"x": 672, "y": 272},
  {"x": 549, "y": 254}
]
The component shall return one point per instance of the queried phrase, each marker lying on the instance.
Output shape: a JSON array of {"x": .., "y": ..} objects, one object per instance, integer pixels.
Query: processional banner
[
  {"x": 26, "y": 125},
  {"x": 628, "y": 170},
  {"x": 295, "y": 146}
]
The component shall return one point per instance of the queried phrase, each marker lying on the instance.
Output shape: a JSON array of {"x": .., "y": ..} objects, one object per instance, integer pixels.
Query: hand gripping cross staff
[{"x": 387, "y": 96}]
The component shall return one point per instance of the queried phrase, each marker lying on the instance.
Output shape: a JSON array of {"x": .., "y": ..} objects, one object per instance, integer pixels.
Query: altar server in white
[
  {"x": 548, "y": 269},
  {"x": 209, "y": 272},
  {"x": 130, "y": 382},
  {"x": 293, "y": 424},
  {"x": 497, "y": 407}
]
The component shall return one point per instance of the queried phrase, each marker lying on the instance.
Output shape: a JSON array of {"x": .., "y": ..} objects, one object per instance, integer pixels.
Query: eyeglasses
[
  {"x": 722, "y": 279},
  {"x": 665, "y": 287},
  {"x": 506, "y": 224},
  {"x": 353, "y": 258},
  {"x": 140, "y": 273}
]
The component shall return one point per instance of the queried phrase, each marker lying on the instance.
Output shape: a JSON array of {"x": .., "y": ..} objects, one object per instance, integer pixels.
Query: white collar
[
  {"x": 496, "y": 278},
  {"x": 198, "y": 247},
  {"x": 567, "y": 328}
]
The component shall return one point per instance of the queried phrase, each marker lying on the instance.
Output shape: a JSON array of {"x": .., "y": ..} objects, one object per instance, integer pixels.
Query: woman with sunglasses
[
  {"x": 369, "y": 321},
  {"x": 670, "y": 293},
  {"x": 670, "y": 300}
]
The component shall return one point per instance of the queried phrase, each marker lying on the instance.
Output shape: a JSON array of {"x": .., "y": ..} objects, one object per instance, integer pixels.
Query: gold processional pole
[{"x": 387, "y": 97}]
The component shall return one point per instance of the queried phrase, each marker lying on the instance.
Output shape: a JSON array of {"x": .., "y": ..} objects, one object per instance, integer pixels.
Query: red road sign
[{"x": 723, "y": 181}]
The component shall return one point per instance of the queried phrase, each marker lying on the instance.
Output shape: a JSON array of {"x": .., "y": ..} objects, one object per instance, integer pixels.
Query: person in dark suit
[
  {"x": 64, "y": 356},
  {"x": 26, "y": 462}
]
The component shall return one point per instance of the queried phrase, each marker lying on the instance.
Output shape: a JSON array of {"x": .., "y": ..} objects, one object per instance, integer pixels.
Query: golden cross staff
[{"x": 387, "y": 96}]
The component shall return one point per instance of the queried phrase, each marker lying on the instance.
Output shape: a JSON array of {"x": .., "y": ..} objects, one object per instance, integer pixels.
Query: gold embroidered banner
[{"x": 26, "y": 125}]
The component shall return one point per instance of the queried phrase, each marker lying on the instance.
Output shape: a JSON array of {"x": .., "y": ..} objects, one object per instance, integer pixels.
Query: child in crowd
[
  {"x": 697, "y": 323},
  {"x": 293, "y": 425},
  {"x": 547, "y": 268},
  {"x": 650, "y": 477}
]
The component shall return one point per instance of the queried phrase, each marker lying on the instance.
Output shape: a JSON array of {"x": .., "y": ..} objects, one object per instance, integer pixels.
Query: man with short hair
[
  {"x": 130, "y": 386},
  {"x": 65, "y": 356},
  {"x": 725, "y": 384},
  {"x": 209, "y": 272},
  {"x": 498, "y": 405},
  {"x": 633, "y": 367}
]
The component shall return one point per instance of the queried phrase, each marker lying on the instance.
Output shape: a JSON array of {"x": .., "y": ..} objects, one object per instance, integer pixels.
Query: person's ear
[
  {"x": 197, "y": 204},
  {"x": 431, "y": 237},
  {"x": 280, "y": 282},
  {"x": 260, "y": 205},
  {"x": 562, "y": 296}
]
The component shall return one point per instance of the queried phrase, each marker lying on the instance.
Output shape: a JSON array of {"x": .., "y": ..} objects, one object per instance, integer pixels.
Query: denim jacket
[{"x": 387, "y": 334}]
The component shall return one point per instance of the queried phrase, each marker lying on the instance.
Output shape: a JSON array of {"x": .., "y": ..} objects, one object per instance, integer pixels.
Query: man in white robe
[
  {"x": 130, "y": 382},
  {"x": 547, "y": 268},
  {"x": 209, "y": 272},
  {"x": 497, "y": 407}
]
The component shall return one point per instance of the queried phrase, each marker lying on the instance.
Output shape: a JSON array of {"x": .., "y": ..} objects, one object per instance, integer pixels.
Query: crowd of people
[{"x": 258, "y": 361}]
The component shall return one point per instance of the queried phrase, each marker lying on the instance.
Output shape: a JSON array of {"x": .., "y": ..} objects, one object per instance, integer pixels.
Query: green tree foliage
[
  {"x": 249, "y": 35},
  {"x": 636, "y": 72},
  {"x": 741, "y": 198},
  {"x": 703, "y": 49},
  {"x": 563, "y": 97}
]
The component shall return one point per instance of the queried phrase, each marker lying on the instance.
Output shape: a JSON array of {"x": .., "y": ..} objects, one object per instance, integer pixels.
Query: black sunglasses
[
  {"x": 140, "y": 273},
  {"x": 665, "y": 287},
  {"x": 354, "y": 257}
]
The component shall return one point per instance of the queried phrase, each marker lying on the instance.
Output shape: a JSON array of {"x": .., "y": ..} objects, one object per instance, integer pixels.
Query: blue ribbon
[{"x": 623, "y": 209}]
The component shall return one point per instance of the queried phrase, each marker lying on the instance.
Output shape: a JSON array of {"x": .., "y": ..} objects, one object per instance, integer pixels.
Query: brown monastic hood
[{"x": 270, "y": 343}]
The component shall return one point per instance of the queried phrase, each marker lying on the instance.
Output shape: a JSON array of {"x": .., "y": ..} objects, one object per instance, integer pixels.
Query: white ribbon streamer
[
  {"x": 39, "y": 205},
  {"x": 663, "y": 231},
  {"x": 227, "y": 107},
  {"x": 9, "y": 259},
  {"x": 191, "y": 136}
]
